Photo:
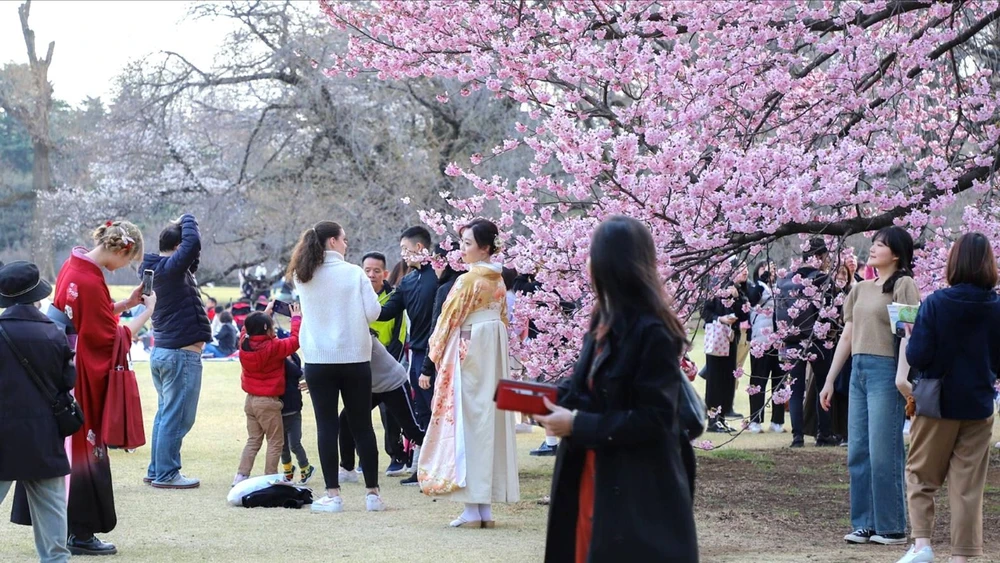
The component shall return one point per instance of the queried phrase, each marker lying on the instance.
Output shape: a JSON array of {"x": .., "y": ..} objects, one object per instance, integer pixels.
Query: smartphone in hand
[
  {"x": 147, "y": 282},
  {"x": 282, "y": 308}
]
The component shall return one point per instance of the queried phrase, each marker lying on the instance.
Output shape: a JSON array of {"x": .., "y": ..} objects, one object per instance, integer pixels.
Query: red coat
[{"x": 264, "y": 365}]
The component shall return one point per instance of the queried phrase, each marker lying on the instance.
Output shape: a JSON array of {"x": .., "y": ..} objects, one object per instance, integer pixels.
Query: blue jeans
[
  {"x": 177, "y": 378},
  {"x": 875, "y": 458},
  {"x": 212, "y": 351}
]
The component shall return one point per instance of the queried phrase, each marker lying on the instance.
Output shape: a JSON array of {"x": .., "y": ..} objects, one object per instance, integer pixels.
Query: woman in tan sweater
[{"x": 875, "y": 455}]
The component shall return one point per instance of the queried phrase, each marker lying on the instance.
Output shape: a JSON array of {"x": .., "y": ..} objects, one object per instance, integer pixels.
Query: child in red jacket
[{"x": 262, "y": 356}]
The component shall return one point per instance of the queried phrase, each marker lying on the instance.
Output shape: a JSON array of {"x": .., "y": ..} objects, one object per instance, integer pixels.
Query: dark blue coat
[
  {"x": 30, "y": 445},
  {"x": 956, "y": 337},
  {"x": 291, "y": 401},
  {"x": 179, "y": 319},
  {"x": 415, "y": 295}
]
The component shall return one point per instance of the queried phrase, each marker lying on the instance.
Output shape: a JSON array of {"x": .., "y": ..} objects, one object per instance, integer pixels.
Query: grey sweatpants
[{"x": 47, "y": 505}]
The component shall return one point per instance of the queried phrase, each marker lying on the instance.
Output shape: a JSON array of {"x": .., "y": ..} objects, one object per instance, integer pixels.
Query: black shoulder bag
[{"x": 69, "y": 415}]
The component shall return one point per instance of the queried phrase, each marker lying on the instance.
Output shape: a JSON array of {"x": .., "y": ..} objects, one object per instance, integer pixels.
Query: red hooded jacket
[{"x": 264, "y": 365}]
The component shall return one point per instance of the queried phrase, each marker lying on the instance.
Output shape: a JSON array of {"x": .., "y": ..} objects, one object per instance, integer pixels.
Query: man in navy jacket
[
  {"x": 180, "y": 331},
  {"x": 415, "y": 295}
]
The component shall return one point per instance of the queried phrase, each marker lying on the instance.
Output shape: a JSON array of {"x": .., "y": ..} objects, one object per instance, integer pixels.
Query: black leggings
[
  {"x": 326, "y": 383},
  {"x": 398, "y": 405}
]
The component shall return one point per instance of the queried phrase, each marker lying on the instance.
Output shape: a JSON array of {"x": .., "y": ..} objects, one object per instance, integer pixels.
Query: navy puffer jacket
[{"x": 179, "y": 319}]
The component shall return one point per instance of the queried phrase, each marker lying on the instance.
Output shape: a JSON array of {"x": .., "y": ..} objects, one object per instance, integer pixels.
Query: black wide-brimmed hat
[{"x": 21, "y": 284}]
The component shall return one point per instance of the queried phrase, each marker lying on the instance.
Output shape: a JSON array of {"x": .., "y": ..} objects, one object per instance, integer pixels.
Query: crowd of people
[{"x": 624, "y": 477}]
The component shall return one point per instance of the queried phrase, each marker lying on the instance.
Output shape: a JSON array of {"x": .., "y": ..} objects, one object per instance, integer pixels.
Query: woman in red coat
[{"x": 82, "y": 294}]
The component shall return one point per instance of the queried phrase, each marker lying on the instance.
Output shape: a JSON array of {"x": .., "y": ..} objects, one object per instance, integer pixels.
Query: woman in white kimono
[{"x": 470, "y": 453}]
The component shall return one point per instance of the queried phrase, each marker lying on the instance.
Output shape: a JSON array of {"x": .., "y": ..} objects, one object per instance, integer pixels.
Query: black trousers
[
  {"x": 422, "y": 398},
  {"x": 719, "y": 381},
  {"x": 327, "y": 382},
  {"x": 821, "y": 368},
  {"x": 398, "y": 406},
  {"x": 392, "y": 436},
  {"x": 764, "y": 369}
]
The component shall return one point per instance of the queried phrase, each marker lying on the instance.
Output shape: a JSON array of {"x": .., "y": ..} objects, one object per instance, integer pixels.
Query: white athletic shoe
[
  {"x": 347, "y": 476},
  {"x": 777, "y": 428},
  {"x": 374, "y": 503},
  {"x": 925, "y": 555},
  {"x": 328, "y": 504},
  {"x": 755, "y": 428}
]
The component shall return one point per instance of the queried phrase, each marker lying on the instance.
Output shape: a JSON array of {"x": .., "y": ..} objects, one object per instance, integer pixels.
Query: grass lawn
[{"x": 198, "y": 525}]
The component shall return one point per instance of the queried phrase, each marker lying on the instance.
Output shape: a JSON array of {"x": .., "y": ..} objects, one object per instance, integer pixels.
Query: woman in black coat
[
  {"x": 720, "y": 385},
  {"x": 624, "y": 476}
]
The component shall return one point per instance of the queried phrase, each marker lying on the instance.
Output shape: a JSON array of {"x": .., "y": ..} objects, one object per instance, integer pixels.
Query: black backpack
[
  {"x": 788, "y": 293},
  {"x": 278, "y": 496}
]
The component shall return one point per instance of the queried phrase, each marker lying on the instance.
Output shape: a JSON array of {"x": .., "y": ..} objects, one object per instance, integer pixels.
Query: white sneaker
[
  {"x": 755, "y": 428},
  {"x": 374, "y": 503},
  {"x": 347, "y": 476},
  {"x": 328, "y": 504},
  {"x": 925, "y": 555},
  {"x": 777, "y": 428}
]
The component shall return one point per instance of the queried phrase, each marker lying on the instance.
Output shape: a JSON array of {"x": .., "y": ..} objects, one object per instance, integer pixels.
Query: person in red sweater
[{"x": 262, "y": 356}]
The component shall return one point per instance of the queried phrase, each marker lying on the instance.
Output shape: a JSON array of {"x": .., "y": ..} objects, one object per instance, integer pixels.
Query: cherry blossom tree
[{"x": 725, "y": 126}]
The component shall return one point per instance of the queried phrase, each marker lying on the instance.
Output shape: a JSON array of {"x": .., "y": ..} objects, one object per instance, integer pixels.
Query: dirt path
[{"x": 793, "y": 505}]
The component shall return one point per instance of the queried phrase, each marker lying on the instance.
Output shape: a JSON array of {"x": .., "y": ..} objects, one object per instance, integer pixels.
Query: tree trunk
[{"x": 42, "y": 239}]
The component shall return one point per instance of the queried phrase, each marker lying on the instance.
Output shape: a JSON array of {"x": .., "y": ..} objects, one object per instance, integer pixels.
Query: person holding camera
[
  {"x": 180, "y": 330},
  {"x": 32, "y": 450},
  {"x": 83, "y": 298}
]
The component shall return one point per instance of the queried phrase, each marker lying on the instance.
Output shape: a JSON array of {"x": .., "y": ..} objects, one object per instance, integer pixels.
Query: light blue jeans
[
  {"x": 177, "y": 378},
  {"x": 47, "y": 506},
  {"x": 875, "y": 456}
]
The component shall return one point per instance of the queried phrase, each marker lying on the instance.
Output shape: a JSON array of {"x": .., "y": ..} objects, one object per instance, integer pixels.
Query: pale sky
[{"x": 95, "y": 39}]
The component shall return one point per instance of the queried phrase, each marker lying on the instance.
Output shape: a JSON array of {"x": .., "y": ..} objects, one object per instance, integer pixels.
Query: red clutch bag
[{"x": 524, "y": 396}]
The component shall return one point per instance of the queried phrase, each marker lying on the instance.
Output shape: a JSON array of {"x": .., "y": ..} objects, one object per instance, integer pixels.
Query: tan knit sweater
[{"x": 866, "y": 307}]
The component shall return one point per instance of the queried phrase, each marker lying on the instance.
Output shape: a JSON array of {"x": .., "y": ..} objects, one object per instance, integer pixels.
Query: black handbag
[
  {"x": 69, "y": 415},
  {"x": 691, "y": 411},
  {"x": 927, "y": 397}
]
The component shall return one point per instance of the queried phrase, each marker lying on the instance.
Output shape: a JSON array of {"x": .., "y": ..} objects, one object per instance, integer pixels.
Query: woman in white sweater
[{"x": 338, "y": 304}]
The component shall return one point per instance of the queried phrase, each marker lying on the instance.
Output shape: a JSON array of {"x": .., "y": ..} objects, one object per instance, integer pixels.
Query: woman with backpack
[{"x": 875, "y": 454}]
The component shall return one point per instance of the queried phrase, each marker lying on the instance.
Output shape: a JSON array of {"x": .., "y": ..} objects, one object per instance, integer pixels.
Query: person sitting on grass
[
  {"x": 262, "y": 356},
  {"x": 226, "y": 339}
]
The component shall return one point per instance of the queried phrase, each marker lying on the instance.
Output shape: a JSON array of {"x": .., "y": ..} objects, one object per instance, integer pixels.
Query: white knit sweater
[{"x": 338, "y": 304}]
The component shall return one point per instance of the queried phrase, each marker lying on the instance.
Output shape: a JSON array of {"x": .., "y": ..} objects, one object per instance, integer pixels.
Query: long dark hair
[
  {"x": 900, "y": 243},
  {"x": 256, "y": 324},
  {"x": 309, "y": 251},
  {"x": 626, "y": 282}
]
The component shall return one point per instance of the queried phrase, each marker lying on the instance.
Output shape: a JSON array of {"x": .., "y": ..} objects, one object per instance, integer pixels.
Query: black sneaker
[
  {"x": 861, "y": 535},
  {"x": 410, "y": 481},
  {"x": 889, "y": 539},
  {"x": 719, "y": 427},
  {"x": 544, "y": 450},
  {"x": 89, "y": 546},
  {"x": 797, "y": 442}
]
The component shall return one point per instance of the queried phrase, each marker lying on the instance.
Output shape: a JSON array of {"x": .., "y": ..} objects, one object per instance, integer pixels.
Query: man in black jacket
[
  {"x": 415, "y": 295},
  {"x": 790, "y": 293},
  {"x": 31, "y": 450},
  {"x": 180, "y": 331}
]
